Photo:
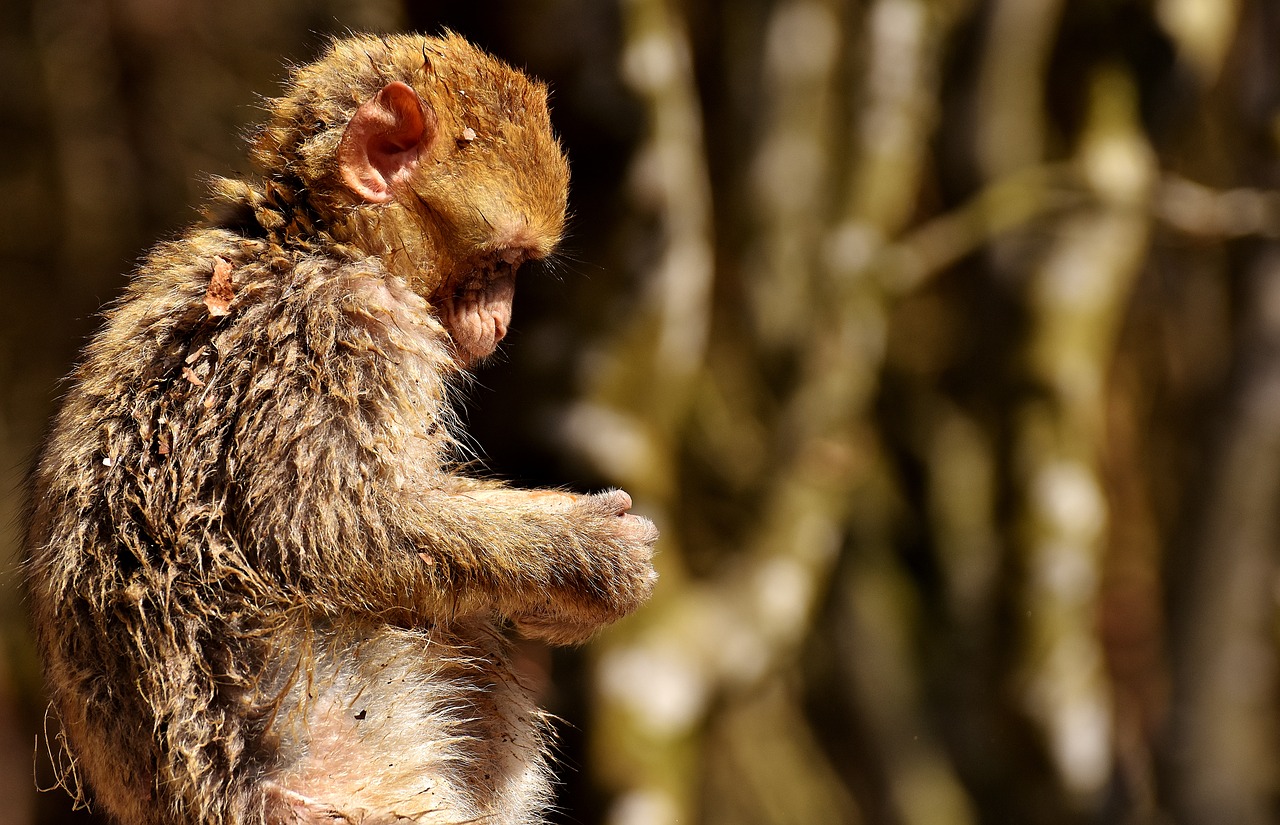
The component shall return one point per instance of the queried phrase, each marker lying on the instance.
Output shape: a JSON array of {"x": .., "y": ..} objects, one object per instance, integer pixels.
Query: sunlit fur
[
  {"x": 260, "y": 589},
  {"x": 504, "y": 187}
]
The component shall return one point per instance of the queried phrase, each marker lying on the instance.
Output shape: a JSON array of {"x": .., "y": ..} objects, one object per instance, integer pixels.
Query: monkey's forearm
[
  {"x": 540, "y": 557},
  {"x": 559, "y": 565}
]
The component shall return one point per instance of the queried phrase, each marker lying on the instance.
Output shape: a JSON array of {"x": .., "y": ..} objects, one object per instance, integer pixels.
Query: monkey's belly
[{"x": 379, "y": 724}]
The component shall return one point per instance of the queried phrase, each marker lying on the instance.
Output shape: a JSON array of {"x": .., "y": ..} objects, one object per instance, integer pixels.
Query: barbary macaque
[{"x": 262, "y": 588}]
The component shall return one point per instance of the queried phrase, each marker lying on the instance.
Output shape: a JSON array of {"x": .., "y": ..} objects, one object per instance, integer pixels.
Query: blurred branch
[
  {"x": 651, "y": 694},
  {"x": 1077, "y": 298},
  {"x": 1203, "y": 30},
  {"x": 643, "y": 385},
  {"x": 1009, "y": 203},
  {"x": 1217, "y": 214},
  {"x": 1033, "y": 193},
  {"x": 1009, "y": 132},
  {"x": 669, "y": 180},
  {"x": 792, "y": 171}
]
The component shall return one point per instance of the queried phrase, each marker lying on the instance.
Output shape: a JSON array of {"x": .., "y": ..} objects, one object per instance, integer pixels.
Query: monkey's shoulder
[
  {"x": 216, "y": 333},
  {"x": 216, "y": 288}
]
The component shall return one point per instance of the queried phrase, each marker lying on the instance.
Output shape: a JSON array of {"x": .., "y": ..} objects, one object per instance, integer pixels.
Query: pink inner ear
[{"x": 383, "y": 141}]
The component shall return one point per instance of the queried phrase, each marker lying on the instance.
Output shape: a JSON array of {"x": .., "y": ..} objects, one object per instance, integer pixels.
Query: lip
[{"x": 475, "y": 305}]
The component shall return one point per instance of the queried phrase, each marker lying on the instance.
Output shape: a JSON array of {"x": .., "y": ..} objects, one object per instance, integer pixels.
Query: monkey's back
[{"x": 216, "y": 461}]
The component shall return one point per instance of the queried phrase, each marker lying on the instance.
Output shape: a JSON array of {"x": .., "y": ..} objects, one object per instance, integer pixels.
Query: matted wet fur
[{"x": 262, "y": 591}]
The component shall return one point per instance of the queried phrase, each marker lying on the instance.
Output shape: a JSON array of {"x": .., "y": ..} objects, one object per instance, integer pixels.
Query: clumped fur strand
[{"x": 262, "y": 590}]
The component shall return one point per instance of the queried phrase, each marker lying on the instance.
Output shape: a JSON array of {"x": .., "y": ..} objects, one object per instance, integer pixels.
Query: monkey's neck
[
  {"x": 279, "y": 211},
  {"x": 283, "y": 214}
]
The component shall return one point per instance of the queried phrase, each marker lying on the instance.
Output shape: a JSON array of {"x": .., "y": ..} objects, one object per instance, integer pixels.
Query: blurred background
[{"x": 941, "y": 337}]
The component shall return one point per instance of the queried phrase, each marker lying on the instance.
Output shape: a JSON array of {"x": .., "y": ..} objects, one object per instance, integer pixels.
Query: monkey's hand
[
  {"x": 628, "y": 541},
  {"x": 560, "y": 566}
]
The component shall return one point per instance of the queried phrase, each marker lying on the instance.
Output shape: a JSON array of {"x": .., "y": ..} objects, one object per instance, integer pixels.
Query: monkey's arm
[{"x": 561, "y": 566}]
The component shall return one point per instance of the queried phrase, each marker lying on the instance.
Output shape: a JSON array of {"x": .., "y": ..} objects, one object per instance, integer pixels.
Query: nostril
[{"x": 514, "y": 255}]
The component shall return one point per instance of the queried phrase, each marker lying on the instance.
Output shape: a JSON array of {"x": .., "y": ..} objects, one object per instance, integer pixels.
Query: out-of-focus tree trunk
[
  {"x": 1224, "y": 723},
  {"x": 1076, "y": 298}
]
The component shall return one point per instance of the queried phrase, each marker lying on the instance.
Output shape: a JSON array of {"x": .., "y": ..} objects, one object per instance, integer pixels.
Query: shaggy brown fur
[{"x": 262, "y": 592}]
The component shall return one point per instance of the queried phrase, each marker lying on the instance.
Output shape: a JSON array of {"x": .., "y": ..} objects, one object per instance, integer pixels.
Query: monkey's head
[{"x": 434, "y": 156}]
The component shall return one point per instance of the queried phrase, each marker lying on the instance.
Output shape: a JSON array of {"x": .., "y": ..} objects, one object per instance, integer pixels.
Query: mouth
[{"x": 476, "y": 307}]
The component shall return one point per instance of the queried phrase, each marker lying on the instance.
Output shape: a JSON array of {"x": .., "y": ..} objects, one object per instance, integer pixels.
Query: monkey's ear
[{"x": 383, "y": 141}]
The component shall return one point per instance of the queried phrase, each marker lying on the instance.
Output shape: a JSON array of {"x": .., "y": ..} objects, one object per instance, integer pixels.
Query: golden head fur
[{"x": 495, "y": 178}]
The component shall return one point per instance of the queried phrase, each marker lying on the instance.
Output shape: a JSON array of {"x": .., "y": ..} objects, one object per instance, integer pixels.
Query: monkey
[{"x": 264, "y": 581}]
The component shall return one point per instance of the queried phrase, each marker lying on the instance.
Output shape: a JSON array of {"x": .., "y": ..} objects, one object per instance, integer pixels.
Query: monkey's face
[{"x": 467, "y": 182}]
